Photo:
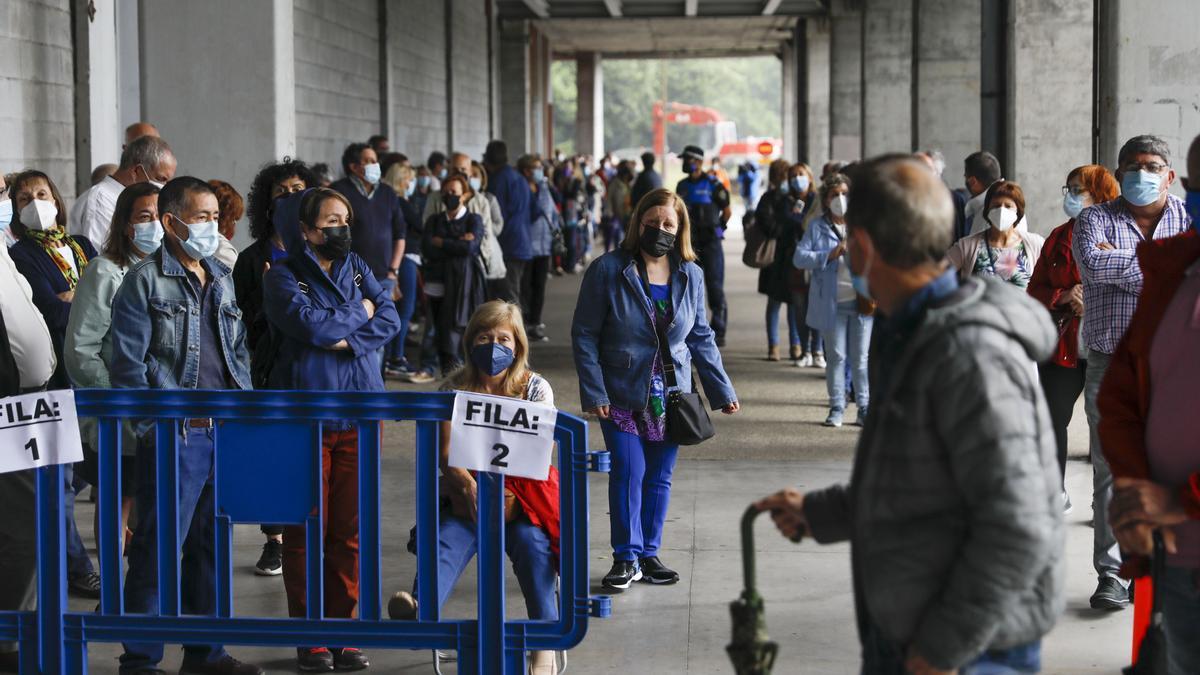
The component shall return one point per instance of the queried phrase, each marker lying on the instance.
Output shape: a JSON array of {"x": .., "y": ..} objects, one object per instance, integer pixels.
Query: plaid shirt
[{"x": 1112, "y": 280}]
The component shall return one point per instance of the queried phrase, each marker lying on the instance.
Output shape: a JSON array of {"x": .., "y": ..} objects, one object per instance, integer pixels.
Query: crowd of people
[{"x": 976, "y": 334}]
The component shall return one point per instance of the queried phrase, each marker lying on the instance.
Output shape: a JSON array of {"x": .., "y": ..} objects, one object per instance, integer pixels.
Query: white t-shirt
[
  {"x": 845, "y": 289},
  {"x": 91, "y": 216},
  {"x": 68, "y": 255},
  {"x": 28, "y": 337}
]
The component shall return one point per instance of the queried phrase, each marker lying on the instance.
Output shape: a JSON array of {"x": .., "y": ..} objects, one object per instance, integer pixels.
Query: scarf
[{"x": 50, "y": 241}]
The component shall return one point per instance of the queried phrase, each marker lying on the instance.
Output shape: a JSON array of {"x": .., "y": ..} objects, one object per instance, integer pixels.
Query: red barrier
[{"x": 1143, "y": 602}]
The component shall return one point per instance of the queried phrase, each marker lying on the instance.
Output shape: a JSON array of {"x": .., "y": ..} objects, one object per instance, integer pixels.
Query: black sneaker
[
  {"x": 654, "y": 572},
  {"x": 537, "y": 333},
  {"x": 314, "y": 660},
  {"x": 622, "y": 574},
  {"x": 226, "y": 665},
  {"x": 350, "y": 659},
  {"x": 270, "y": 563},
  {"x": 86, "y": 586},
  {"x": 1110, "y": 594}
]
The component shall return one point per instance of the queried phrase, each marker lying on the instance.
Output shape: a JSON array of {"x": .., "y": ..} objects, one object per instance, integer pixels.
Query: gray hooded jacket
[{"x": 953, "y": 507}]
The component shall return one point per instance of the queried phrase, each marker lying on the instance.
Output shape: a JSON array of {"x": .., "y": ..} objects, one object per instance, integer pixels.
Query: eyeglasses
[
  {"x": 1077, "y": 190},
  {"x": 1152, "y": 167}
]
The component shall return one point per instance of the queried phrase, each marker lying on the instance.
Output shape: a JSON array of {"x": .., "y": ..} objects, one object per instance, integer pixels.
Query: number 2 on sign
[
  {"x": 501, "y": 451},
  {"x": 31, "y": 446}
]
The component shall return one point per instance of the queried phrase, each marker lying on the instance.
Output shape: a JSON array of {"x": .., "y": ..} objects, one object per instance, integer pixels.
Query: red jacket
[
  {"x": 1055, "y": 274},
  {"x": 1124, "y": 398},
  {"x": 539, "y": 501}
]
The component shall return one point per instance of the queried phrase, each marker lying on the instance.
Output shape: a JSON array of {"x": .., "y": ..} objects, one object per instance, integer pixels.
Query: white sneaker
[
  {"x": 818, "y": 361},
  {"x": 805, "y": 361},
  {"x": 543, "y": 662}
]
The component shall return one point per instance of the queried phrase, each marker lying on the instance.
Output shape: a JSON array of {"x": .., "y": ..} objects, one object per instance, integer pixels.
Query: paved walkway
[{"x": 777, "y": 440}]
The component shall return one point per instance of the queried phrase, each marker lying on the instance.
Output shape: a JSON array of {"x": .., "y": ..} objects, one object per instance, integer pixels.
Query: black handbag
[{"x": 687, "y": 418}]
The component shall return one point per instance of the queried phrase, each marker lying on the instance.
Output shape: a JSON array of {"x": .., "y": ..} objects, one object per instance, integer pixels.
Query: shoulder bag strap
[{"x": 664, "y": 350}]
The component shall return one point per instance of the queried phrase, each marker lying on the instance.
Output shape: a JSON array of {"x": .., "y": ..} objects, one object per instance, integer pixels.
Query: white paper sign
[
  {"x": 39, "y": 429},
  {"x": 502, "y": 435}
]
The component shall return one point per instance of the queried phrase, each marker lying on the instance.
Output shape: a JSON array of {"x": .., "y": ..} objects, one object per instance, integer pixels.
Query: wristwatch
[{"x": 394, "y": 270}]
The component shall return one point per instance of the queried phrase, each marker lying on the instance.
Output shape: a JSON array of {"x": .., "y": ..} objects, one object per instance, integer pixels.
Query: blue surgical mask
[
  {"x": 539, "y": 175},
  {"x": 1072, "y": 205},
  {"x": 372, "y": 173},
  {"x": 147, "y": 237},
  {"x": 6, "y": 213},
  {"x": 410, "y": 189},
  {"x": 859, "y": 281},
  {"x": 1140, "y": 188},
  {"x": 423, "y": 181},
  {"x": 492, "y": 358},
  {"x": 784, "y": 187},
  {"x": 799, "y": 183},
  {"x": 443, "y": 173},
  {"x": 203, "y": 239},
  {"x": 476, "y": 183},
  {"x": 1191, "y": 203}
]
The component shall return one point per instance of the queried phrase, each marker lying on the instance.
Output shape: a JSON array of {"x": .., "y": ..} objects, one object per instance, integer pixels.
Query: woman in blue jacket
[
  {"x": 834, "y": 306},
  {"x": 333, "y": 317},
  {"x": 617, "y": 356}
]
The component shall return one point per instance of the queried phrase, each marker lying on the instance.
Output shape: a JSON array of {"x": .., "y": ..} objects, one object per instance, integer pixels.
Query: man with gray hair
[
  {"x": 148, "y": 158},
  {"x": 952, "y": 510},
  {"x": 1105, "y": 242}
]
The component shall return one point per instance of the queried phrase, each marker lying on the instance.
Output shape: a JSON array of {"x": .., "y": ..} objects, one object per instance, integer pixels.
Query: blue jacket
[
  {"x": 47, "y": 281},
  {"x": 156, "y": 326},
  {"x": 545, "y": 219},
  {"x": 615, "y": 342},
  {"x": 379, "y": 222},
  {"x": 314, "y": 310},
  {"x": 812, "y": 253},
  {"x": 512, "y": 191}
]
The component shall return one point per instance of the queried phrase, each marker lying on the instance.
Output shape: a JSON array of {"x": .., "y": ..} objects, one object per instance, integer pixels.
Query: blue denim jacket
[
  {"x": 614, "y": 339},
  {"x": 156, "y": 326}
]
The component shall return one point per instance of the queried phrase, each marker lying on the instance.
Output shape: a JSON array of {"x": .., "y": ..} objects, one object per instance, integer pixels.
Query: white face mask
[
  {"x": 837, "y": 206},
  {"x": 1003, "y": 219},
  {"x": 39, "y": 214}
]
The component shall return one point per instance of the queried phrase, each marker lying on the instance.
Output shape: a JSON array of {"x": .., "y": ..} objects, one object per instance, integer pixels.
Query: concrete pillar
[
  {"x": 815, "y": 126},
  {"x": 793, "y": 106},
  {"x": 589, "y": 107},
  {"x": 946, "y": 76},
  {"x": 845, "y": 80},
  {"x": 218, "y": 130},
  {"x": 515, "y": 85},
  {"x": 98, "y": 135},
  {"x": 1148, "y": 82},
  {"x": 542, "y": 126},
  {"x": 887, "y": 67},
  {"x": 1049, "y": 101}
]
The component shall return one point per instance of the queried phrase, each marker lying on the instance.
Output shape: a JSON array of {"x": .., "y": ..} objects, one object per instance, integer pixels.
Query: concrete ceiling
[{"x": 653, "y": 28}]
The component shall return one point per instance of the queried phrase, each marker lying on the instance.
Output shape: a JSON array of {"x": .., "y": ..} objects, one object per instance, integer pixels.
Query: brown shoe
[
  {"x": 797, "y": 352},
  {"x": 773, "y": 353}
]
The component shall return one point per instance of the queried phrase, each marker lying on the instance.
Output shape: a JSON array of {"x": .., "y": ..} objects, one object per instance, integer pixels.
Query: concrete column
[
  {"x": 946, "y": 77},
  {"x": 1049, "y": 101},
  {"x": 217, "y": 130},
  {"x": 845, "y": 80},
  {"x": 515, "y": 85},
  {"x": 1148, "y": 82},
  {"x": 589, "y": 107},
  {"x": 98, "y": 134},
  {"x": 815, "y": 126},
  {"x": 887, "y": 77},
  {"x": 129, "y": 46},
  {"x": 540, "y": 57},
  {"x": 793, "y": 105}
]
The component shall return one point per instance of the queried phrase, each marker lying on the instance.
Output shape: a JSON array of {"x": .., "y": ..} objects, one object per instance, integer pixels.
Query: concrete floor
[{"x": 776, "y": 441}]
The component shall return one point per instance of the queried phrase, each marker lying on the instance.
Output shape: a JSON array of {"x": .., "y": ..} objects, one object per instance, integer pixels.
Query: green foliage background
[{"x": 745, "y": 90}]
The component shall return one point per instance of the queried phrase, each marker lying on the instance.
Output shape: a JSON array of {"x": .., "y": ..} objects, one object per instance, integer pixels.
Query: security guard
[{"x": 708, "y": 210}]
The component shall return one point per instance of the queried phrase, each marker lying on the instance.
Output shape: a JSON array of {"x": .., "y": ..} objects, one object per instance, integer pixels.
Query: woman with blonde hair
[
  {"x": 497, "y": 351},
  {"x": 649, "y": 287}
]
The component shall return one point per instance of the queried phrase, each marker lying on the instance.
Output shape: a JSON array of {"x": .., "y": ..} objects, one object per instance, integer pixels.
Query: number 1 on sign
[
  {"x": 31, "y": 446},
  {"x": 501, "y": 451}
]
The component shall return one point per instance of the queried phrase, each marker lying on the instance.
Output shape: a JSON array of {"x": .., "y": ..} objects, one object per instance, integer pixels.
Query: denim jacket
[
  {"x": 156, "y": 326},
  {"x": 812, "y": 253},
  {"x": 615, "y": 342}
]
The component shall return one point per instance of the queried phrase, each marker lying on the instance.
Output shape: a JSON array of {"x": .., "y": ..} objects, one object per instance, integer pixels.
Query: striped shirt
[{"x": 1112, "y": 280}]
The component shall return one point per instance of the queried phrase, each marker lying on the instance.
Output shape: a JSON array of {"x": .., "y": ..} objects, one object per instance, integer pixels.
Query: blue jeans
[
  {"x": 1106, "y": 554},
  {"x": 527, "y": 547},
  {"x": 79, "y": 564},
  {"x": 1181, "y": 619},
  {"x": 405, "y": 307},
  {"x": 883, "y": 657},
  {"x": 773, "y": 323},
  {"x": 639, "y": 491},
  {"x": 197, "y": 516},
  {"x": 810, "y": 338},
  {"x": 851, "y": 333}
]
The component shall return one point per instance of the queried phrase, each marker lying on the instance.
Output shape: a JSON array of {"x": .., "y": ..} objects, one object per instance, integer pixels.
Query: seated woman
[
  {"x": 333, "y": 316},
  {"x": 497, "y": 350}
]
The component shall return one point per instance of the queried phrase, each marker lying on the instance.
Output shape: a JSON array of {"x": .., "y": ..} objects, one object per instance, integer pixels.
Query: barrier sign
[
  {"x": 502, "y": 435},
  {"x": 39, "y": 429}
]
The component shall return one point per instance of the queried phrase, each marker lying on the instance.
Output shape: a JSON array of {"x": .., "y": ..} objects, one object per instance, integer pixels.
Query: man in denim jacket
[{"x": 176, "y": 326}]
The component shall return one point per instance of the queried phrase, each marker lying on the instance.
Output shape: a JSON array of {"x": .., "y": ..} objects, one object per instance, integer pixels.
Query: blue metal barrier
[{"x": 54, "y": 640}]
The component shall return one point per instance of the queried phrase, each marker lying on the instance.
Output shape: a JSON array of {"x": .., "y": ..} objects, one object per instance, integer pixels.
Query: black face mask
[
  {"x": 655, "y": 242},
  {"x": 452, "y": 202},
  {"x": 337, "y": 243}
]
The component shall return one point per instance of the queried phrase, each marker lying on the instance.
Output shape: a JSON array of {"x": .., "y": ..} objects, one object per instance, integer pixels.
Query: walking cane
[{"x": 751, "y": 650}]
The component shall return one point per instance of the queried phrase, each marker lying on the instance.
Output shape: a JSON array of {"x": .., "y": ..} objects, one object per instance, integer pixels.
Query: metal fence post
[
  {"x": 52, "y": 570},
  {"x": 491, "y": 574}
]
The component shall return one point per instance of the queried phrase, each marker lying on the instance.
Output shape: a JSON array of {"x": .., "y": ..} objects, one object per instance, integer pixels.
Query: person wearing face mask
[
  {"x": 1057, "y": 285},
  {"x": 454, "y": 283},
  {"x": 182, "y": 279},
  {"x": 146, "y": 159},
  {"x": 708, "y": 210},
  {"x": 135, "y": 233},
  {"x": 420, "y": 195},
  {"x": 619, "y": 205},
  {"x": 1003, "y": 250},
  {"x": 488, "y": 210},
  {"x": 511, "y": 190},
  {"x": 780, "y": 214},
  {"x": 6, "y": 211},
  {"x": 333, "y": 316},
  {"x": 439, "y": 169},
  {"x": 1105, "y": 240},
  {"x": 837, "y": 304},
  {"x": 650, "y": 287},
  {"x": 544, "y": 222},
  {"x": 497, "y": 351}
]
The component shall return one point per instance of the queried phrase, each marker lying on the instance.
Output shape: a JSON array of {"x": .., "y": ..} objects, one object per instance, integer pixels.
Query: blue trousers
[
  {"x": 78, "y": 562},
  {"x": 882, "y": 657},
  {"x": 773, "y": 323},
  {"x": 712, "y": 261},
  {"x": 810, "y": 338},
  {"x": 639, "y": 491},
  {"x": 851, "y": 337},
  {"x": 197, "y": 516},
  {"x": 527, "y": 547},
  {"x": 405, "y": 307}
]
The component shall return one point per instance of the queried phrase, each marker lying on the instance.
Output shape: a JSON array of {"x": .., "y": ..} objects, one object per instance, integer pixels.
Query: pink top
[{"x": 1173, "y": 425}]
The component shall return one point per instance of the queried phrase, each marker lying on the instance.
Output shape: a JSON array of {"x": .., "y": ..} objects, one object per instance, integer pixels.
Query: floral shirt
[
  {"x": 1006, "y": 264},
  {"x": 651, "y": 423}
]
